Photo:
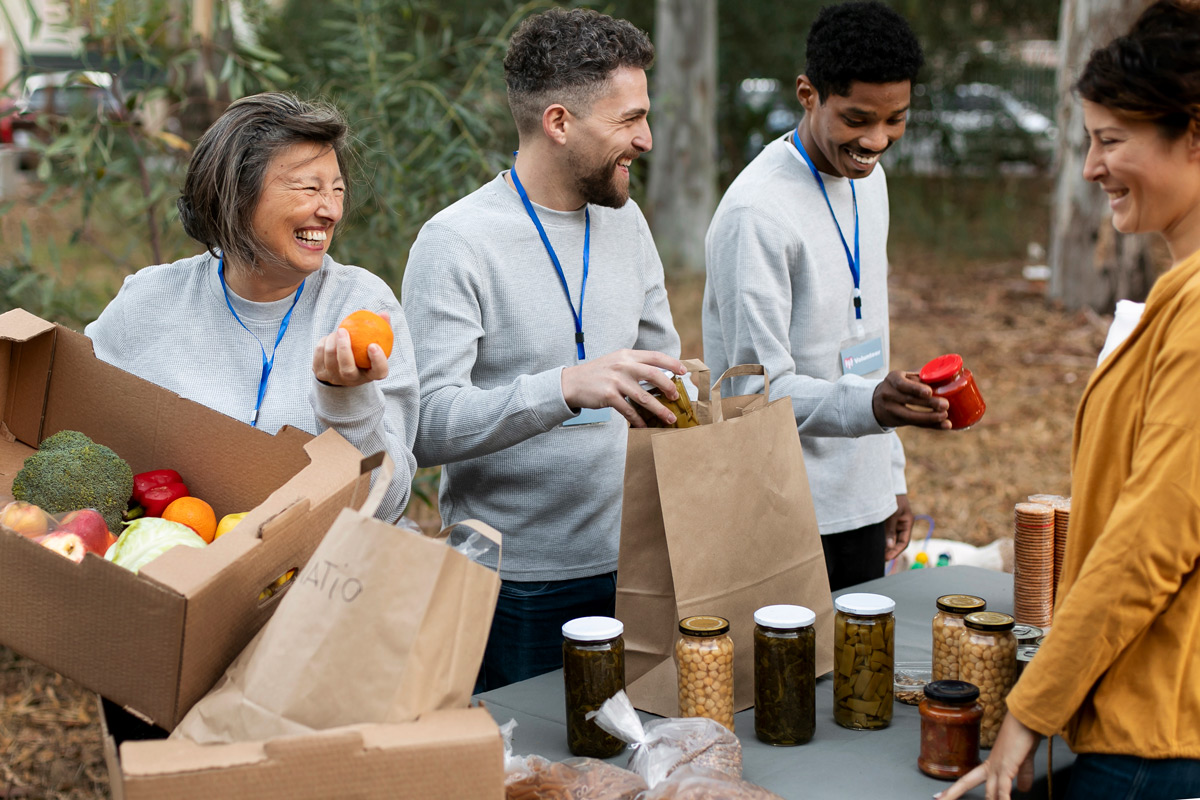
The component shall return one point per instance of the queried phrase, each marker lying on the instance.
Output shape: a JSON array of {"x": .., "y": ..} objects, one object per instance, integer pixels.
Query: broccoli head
[{"x": 70, "y": 472}]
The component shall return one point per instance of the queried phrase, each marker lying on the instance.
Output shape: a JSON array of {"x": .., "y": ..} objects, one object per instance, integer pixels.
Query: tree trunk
[
  {"x": 682, "y": 188},
  {"x": 1091, "y": 264}
]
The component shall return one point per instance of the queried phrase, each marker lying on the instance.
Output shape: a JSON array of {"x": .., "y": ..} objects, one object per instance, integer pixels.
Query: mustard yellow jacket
[{"x": 1120, "y": 671}]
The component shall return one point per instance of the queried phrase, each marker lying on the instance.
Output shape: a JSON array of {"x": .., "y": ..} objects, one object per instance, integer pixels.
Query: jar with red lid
[
  {"x": 950, "y": 720},
  {"x": 948, "y": 378}
]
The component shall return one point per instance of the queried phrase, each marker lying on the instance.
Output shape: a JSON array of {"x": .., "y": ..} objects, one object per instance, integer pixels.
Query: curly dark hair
[
  {"x": 1153, "y": 72},
  {"x": 226, "y": 173},
  {"x": 860, "y": 41},
  {"x": 567, "y": 56}
]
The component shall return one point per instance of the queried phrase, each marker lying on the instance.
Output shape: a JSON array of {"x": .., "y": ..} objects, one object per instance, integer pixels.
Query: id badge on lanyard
[{"x": 862, "y": 353}]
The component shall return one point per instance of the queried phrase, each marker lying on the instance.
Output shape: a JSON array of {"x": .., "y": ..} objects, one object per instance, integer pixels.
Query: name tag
[
  {"x": 863, "y": 358},
  {"x": 590, "y": 416}
]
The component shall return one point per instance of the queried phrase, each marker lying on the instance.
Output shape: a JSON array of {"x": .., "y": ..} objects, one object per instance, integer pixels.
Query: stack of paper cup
[{"x": 1033, "y": 569}]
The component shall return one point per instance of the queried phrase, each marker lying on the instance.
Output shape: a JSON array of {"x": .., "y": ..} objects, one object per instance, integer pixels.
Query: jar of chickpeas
[
  {"x": 704, "y": 657},
  {"x": 947, "y": 624},
  {"x": 864, "y": 649},
  {"x": 987, "y": 657}
]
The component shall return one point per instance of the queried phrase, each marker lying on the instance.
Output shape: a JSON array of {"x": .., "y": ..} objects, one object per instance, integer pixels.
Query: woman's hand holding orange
[{"x": 334, "y": 359}]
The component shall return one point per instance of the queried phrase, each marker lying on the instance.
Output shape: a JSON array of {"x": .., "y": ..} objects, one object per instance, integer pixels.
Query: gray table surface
[{"x": 837, "y": 763}]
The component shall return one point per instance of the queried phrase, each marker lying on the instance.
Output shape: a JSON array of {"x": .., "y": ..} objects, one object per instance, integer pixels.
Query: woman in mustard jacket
[{"x": 1119, "y": 676}]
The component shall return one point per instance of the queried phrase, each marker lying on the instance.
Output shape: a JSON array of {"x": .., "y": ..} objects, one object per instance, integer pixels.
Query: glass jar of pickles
[
  {"x": 987, "y": 657},
  {"x": 950, "y": 718},
  {"x": 704, "y": 658},
  {"x": 864, "y": 649},
  {"x": 784, "y": 674},
  {"x": 947, "y": 624},
  {"x": 593, "y": 671}
]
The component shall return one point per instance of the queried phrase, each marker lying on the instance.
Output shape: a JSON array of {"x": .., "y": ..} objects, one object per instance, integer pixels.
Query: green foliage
[
  {"x": 426, "y": 102},
  {"x": 44, "y": 290},
  {"x": 125, "y": 161},
  {"x": 73, "y": 472}
]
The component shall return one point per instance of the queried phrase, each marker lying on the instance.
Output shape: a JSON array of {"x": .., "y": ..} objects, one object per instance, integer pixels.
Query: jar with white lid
[
  {"x": 864, "y": 649},
  {"x": 784, "y": 674},
  {"x": 593, "y": 671}
]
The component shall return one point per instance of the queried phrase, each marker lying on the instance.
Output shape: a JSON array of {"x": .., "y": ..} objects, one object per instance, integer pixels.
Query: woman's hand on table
[
  {"x": 333, "y": 361},
  {"x": 1012, "y": 757}
]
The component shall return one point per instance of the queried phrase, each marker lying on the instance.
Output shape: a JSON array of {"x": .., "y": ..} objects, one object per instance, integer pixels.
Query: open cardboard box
[
  {"x": 155, "y": 642},
  {"x": 453, "y": 754}
]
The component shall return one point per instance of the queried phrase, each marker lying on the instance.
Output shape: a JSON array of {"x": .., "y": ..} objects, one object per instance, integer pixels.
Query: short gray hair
[
  {"x": 568, "y": 57},
  {"x": 226, "y": 173}
]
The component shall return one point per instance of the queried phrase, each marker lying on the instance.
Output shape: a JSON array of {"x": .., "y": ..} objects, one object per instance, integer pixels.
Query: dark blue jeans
[
  {"x": 1097, "y": 776},
  {"x": 526, "y": 637}
]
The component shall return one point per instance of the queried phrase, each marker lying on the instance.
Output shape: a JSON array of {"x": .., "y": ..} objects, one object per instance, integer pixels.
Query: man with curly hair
[
  {"x": 797, "y": 281},
  {"x": 537, "y": 305}
]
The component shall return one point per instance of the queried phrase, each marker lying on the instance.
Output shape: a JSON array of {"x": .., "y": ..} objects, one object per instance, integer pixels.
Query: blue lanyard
[
  {"x": 855, "y": 259},
  {"x": 267, "y": 364},
  {"x": 587, "y": 239}
]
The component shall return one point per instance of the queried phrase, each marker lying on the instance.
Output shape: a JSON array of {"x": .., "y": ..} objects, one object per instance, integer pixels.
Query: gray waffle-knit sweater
[
  {"x": 170, "y": 325},
  {"x": 492, "y": 332},
  {"x": 779, "y": 292}
]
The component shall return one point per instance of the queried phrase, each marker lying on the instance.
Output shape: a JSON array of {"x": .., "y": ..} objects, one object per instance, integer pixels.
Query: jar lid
[
  {"x": 961, "y": 603},
  {"x": 989, "y": 621},
  {"x": 784, "y": 617},
  {"x": 942, "y": 368},
  {"x": 1026, "y": 632},
  {"x": 953, "y": 692},
  {"x": 864, "y": 603},
  {"x": 1026, "y": 652},
  {"x": 703, "y": 626},
  {"x": 593, "y": 629}
]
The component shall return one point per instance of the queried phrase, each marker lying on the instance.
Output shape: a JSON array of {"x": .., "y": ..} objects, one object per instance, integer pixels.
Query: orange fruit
[
  {"x": 367, "y": 328},
  {"x": 196, "y": 514}
]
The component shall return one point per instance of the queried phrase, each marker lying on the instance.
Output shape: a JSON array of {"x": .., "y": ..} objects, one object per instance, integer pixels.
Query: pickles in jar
[{"x": 864, "y": 648}]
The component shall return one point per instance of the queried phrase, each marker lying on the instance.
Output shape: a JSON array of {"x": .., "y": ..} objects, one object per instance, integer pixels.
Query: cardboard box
[
  {"x": 155, "y": 642},
  {"x": 453, "y": 754}
]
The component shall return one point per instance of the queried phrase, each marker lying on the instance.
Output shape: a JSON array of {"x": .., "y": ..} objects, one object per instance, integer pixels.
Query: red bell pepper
[
  {"x": 156, "y": 500},
  {"x": 145, "y": 481}
]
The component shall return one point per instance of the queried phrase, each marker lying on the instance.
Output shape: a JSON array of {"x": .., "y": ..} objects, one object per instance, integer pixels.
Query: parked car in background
[
  {"x": 974, "y": 128},
  {"x": 48, "y": 100}
]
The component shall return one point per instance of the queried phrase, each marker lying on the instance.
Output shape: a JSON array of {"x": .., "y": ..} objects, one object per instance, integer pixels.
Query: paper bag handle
[
  {"x": 387, "y": 468},
  {"x": 700, "y": 376},
  {"x": 733, "y": 372},
  {"x": 482, "y": 528}
]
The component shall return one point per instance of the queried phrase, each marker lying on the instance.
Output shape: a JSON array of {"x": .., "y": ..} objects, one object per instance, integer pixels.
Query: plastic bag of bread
[
  {"x": 537, "y": 778},
  {"x": 662, "y": 746},
  {"x": 698, "y": 783}
]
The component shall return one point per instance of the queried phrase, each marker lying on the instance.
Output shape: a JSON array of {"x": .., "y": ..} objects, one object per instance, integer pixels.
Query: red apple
[
  {"x": 90, "y": 526},
  {"x": 25, "y": 518},
  {"x": 66, "y": 544}
]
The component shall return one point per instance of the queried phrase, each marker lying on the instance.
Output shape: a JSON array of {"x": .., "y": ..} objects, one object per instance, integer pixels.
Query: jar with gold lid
[
  {"x": 704, "y": 659},
  {"x": 947, "y": 623},
  {"x": 987, "y": 657}
]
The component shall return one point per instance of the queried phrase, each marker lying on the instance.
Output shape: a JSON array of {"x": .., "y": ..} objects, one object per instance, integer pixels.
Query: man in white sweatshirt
[{"x": 797, "y": 281}]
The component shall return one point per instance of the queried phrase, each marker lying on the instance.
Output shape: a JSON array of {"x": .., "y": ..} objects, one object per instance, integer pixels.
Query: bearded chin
[{"x": 599, "y": 187}]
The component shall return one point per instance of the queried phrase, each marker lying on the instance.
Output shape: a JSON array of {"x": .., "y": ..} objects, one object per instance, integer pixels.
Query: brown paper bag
[
  {"x": 382, "y": 625},
  {"x": 716, "y": 519}
]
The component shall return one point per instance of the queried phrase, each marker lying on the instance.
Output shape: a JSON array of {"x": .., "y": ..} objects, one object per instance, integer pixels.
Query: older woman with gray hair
[{"x": 250, "y": 327}]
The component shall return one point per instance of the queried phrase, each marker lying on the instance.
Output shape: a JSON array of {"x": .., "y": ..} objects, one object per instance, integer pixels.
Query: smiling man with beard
[
  {"x": 537, "y": 305},
  {"x": 797, "y": 281}
]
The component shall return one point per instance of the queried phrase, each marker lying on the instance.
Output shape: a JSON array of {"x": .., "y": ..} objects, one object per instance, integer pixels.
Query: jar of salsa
[
  {"x": 785, "y": 675},
  {"x": 950, "y": 718},
  {"x": 948, "y": 378},
  {"x": 593, "y": 671}
]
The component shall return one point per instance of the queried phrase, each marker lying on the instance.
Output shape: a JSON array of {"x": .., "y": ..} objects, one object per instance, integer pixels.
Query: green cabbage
[{"x": 148, "y": 538}]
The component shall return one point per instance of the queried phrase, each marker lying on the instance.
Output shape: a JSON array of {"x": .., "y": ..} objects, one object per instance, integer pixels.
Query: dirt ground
[{"x": 1031, "y": 363}]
